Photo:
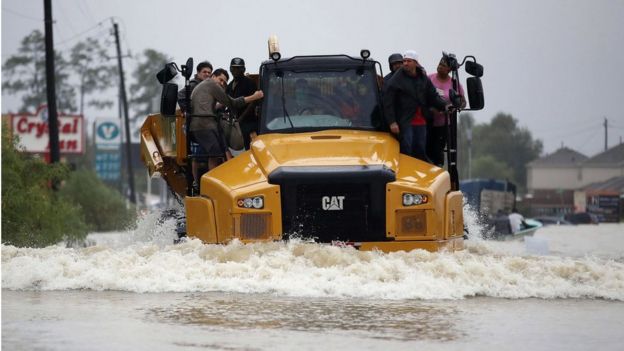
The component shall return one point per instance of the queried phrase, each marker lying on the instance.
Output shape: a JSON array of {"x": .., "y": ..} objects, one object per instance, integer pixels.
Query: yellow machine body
[{"x": 216, "y": 215}]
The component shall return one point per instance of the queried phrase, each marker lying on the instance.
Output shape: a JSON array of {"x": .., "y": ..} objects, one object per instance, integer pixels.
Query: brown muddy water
[{"x": 563, "y": 289}]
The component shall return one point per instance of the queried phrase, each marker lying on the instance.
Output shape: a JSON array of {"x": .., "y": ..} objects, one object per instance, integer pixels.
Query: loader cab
[{"x": 314, "y": 93}]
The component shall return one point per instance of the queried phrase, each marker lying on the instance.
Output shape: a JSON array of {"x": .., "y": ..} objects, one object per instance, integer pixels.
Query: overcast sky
[{"x": 555, "y": 65}]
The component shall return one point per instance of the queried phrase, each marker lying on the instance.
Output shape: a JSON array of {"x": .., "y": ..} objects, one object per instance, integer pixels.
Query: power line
[
  {"x": 21, "y": 15},
  {"x": 586, "y": 143},
  {"x": 85, "y": 11},
  {"x": 66, "y": 21},
  {"x": 616, "y": 126},
  {"x": 99, "y": 24},
  {"x": 86, "y": 5},
  {"x": 123, "y": 34},
  {"x": 562, "y": 131},
  {"x": 573, "y": 132}
]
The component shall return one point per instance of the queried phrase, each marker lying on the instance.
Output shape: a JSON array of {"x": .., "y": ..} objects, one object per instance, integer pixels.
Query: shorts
[
  {"x": 196, "y": 149},
  {"x": 210, "y": 140}
]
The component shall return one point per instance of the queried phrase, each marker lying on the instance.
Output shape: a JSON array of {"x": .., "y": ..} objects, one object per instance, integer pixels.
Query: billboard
[{"x": 34, "y": 135}]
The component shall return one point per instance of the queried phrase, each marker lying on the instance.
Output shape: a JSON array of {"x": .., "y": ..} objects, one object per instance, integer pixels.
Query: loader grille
[
  {"x": 254, "y": 226},
  {"x": 334, "y": 203}
]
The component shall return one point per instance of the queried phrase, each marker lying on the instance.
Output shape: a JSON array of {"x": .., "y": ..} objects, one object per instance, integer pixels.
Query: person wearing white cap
[{"x": 407, "y": 100}]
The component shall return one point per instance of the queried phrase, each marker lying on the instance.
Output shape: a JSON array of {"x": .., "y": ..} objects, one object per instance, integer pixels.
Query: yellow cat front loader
[{"x": 322, "y": 167}]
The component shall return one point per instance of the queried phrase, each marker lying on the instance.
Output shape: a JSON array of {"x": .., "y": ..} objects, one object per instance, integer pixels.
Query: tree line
[
  {"x": 34, "y": 215},
  {"x": 83, "y": 73},
  {"x": 501, "y": 149}
]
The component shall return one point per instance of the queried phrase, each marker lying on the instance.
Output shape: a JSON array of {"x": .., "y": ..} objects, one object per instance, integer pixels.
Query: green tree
[
  {"x": 500, "y": 149},
  {"x": 32, "y": 214},
  {"x": 486, "y": 166},
  {"x": 146, "y": 90},
  {"x": 25, "y": 73},
  {"x": 95, "y": 72},
  {"x": 506, "y": 142},
  {"x": 103, "y": 207}
]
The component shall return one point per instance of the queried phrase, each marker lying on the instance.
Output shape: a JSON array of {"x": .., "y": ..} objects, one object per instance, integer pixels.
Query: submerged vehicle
[
  {"x": 493, "y": 200},
  {"x": 322, "y": 167}
]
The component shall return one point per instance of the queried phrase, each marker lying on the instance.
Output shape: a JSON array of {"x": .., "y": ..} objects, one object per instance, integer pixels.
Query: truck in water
[
  {"x": 323, "y": 166},
  {"x": 493, "y": 200}
]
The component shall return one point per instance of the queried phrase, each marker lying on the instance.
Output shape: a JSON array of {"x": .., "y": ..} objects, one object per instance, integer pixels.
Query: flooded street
[
  {"x": 113, "y": 320},
  {"x": 136, "y": 291}
]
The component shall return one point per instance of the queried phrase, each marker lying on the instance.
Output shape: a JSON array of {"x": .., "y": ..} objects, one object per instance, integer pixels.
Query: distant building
[
  {"x": 604, "y": 166},
  {"x": 559, "y": 183},
  {"x": 603, "y": 199},
  {"x": 557, "y": 171}
]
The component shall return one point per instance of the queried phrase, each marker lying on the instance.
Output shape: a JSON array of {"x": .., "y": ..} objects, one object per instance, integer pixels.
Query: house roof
[
  {"x": 615, "y": 184},
  {"x": 612, "y": 156},
  {"x": 560, "y": 158}
]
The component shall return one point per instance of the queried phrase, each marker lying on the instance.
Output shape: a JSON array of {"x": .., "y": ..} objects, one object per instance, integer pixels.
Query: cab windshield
[{"x": 320, "y": 100}]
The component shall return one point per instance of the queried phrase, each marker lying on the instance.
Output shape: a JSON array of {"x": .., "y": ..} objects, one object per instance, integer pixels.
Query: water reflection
[{"x": 392, "y": 320}]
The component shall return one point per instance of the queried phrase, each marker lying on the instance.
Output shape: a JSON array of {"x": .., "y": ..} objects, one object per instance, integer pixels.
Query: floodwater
[{"x": 563, "y": 289}]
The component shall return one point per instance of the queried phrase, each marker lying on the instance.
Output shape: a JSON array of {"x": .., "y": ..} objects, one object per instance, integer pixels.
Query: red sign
[{"x": 34, "y": 136}]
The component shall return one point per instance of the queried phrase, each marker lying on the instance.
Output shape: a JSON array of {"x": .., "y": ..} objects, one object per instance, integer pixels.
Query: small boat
[{"x": 501, "y": 230}]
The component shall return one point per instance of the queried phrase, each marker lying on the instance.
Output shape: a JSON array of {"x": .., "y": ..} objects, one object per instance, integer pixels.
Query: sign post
[{"x": 107, "y": 132}]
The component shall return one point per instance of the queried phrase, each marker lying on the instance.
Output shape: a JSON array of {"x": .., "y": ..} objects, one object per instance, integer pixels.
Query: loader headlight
[
  {"x": 414, "y": 199},
  {"x": 256, "y": 202}
]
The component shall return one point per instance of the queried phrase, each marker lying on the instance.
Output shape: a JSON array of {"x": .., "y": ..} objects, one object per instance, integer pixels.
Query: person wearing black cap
[
  {"x": 395, "y": 61},
  {"x": 242, "y": 85}
]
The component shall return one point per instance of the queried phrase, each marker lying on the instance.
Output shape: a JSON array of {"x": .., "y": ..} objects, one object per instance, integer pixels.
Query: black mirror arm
[{"x": 474, "y": 59}]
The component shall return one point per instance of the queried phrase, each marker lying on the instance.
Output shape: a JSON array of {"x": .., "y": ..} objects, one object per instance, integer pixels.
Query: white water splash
[
  {"x": 472, "y": 222},
  {"x": 151, "y": 228},
  {"x": 304, "y": 269}
]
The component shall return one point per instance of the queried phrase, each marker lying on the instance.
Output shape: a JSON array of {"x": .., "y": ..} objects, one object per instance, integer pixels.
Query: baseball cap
[
  {"x": 395, "y": 58},
  {"x": 410, "y": 54},
  {"x": 237, "y": 62}
]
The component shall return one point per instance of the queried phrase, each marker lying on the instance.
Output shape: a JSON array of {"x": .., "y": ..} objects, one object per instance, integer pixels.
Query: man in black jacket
[
  {"x": 407, "y": 98},
  {"x": 395, "y": 61},
  {"x": 242, "y": 85}
]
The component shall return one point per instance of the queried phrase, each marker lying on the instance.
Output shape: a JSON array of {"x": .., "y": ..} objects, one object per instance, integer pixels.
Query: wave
[{"x": 146, "y": 263}]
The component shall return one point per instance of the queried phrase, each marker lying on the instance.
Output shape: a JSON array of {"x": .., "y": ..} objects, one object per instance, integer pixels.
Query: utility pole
[
  {"x": 606, "y": 125},
  {"x": 55, "y": 155},
  {"x": 124, "y": 101}
]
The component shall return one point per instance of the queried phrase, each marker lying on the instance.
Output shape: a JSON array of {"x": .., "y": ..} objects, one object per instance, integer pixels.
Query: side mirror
[
  {"x": 475, "y": 93},
  {"x": 474, "y": 69},
  {"x": 187, "y": 72},
  {"x": 169, "y": 99},
  {"x": 168, "y": 73}
]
